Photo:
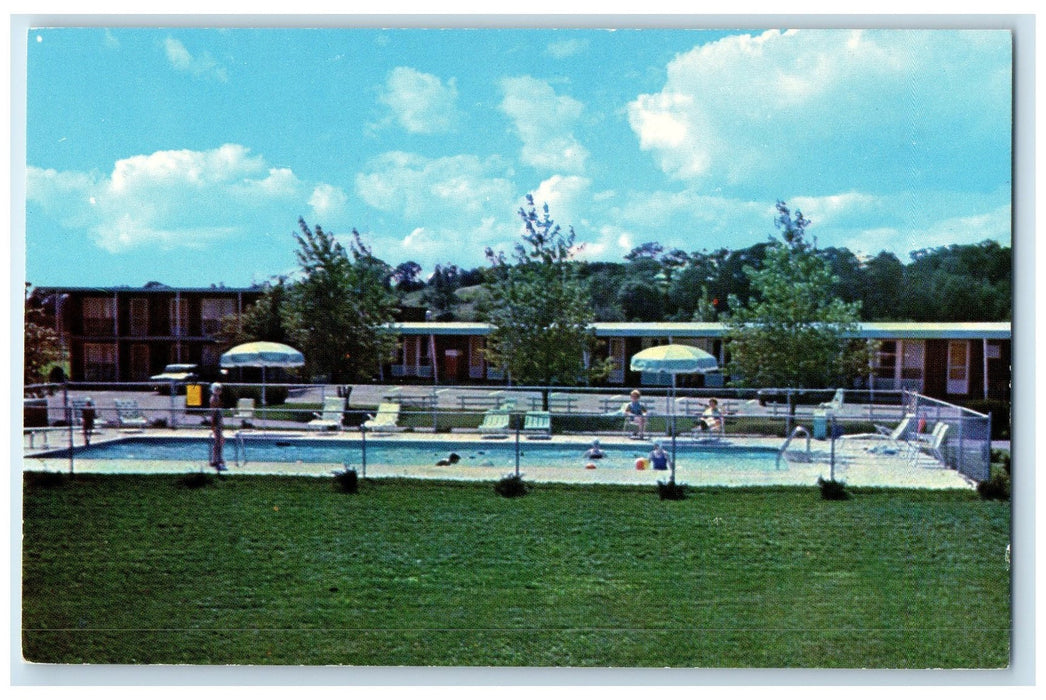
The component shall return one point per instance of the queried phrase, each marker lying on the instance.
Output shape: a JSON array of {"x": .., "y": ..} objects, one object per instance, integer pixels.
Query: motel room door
[{"x": 958, "y": 367}]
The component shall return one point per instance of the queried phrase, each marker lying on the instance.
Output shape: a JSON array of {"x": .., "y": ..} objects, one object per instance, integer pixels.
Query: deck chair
[
  {"x": 244, "y": 411},
  {"x": 331, "y": 417},
  {"x": 835, "y": 404},
  {"x": 496, "y": 422},
  {"x": 537, "y": 425},
  {"x": 932, "y": 445},
  {"x": 631, "y": 423},
  {"x": 78, "y": 403},
  {"x": 385, "y": 421},
  {"x": 888, "y": 440},
  {"x": 129, "y": 415}
]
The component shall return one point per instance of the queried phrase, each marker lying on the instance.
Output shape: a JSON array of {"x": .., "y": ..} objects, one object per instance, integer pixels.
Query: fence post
[
  {"x": 363, "y": 449},
  {"x": 517, "y": 450}
]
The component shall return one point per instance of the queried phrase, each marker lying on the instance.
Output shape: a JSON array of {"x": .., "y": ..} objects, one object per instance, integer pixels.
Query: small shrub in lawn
[
  {"x": 996, "y": 487},
  {"x": 671, "y": 491},
  {"x": 1001, "y": 458},
  {"x": 832, "y": 490},
  {"x": 347, "y": 481},
  {"x": 195, "y": 480},
  {"x": 511, "y": 486}
]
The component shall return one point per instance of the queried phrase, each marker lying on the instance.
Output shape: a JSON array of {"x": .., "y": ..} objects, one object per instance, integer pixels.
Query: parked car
[{"x": 180, "y": 374}]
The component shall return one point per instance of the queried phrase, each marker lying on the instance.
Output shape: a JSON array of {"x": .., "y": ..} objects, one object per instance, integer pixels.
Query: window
[
  {"x": 179, "y": 310},
  {"x": 139, "y": 317},
  {"x": 99, "y": 362},
  {"x": 899, "y": 364},
  {"x": 958, "y": 367},
  {"x": 212, "y": 311},
  {"x": 99, "y": 313},
  {"x": 476, "y": 358}
]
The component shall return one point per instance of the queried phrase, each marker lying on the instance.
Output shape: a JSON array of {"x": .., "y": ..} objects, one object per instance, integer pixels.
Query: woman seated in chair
[
  {"x": 712, "y": 418},
  {"x": 635, "y": 411}
]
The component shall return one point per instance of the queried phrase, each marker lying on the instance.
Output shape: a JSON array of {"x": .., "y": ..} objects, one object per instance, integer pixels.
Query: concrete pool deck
[{"x": 855, "y": 465}]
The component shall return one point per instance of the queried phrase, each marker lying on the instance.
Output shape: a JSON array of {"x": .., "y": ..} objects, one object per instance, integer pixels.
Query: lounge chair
[
  {"x": 78, "y": 403},
  {"x": 386, "y": 419},
  {"x": 888, "y": 440},
  {"x": 129, "y": 415},
  {"x": 835, "y": 404},
  {"x": 331, "y": 417},
  {"x": 537, "y": 425},
  {"x": 244, "y": 411},
  {"x": 631, "y": 424},
  {"x": 496, "y": 422},
  {"x": 932, "y": 445}
]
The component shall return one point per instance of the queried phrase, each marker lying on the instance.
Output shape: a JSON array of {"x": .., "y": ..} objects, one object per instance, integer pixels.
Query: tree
[
  {"x": 793, "y": 331},
  {"x": 407, "y": 276},
  {"x": 42, "y": 345},
  {"x": 338, "y": 312},
  {"x": 439, "y": 295},
  {"x": 265, "y": 319},
  {"x": 539, "y": 307}
]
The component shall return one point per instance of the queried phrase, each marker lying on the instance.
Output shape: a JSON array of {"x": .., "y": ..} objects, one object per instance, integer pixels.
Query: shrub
[
  {"x": 511, "y": 486},
  {"x": 832, "y": 490},
  {"x": 347, "y": 481},
  {"x": 671, "y": 491},
  {"x": 1002, "y": 459},
  {"x": 195, "y": 480},
  {"x": 996, "y": 487}
]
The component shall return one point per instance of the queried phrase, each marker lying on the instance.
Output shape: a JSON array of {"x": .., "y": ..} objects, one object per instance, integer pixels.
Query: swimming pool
[{"x": 403, "y": 453}]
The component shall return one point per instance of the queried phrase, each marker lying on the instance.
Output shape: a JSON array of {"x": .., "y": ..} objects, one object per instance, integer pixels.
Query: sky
[{"x": 186, "y": 156}]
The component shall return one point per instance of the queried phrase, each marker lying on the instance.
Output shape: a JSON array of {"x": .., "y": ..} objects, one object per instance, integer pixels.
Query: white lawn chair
[
  {"x": 129, "y": 415},
  {"x": 331, "y": 417},
  {"x": 385, "y": 421},
  {"x": 244, "y": 411}
]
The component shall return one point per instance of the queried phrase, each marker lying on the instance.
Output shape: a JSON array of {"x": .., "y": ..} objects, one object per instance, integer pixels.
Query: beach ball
[
  {"x": 590, "y": 465},
  {"x": 641, "y": 463}
]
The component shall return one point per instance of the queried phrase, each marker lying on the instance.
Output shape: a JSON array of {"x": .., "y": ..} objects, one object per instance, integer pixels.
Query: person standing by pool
[
  {"x": 217, "y": 428},
  {"x": 636, "y": 412},
  {"x": 658, "y": 457},
  {"x": 88, "y": 414}
]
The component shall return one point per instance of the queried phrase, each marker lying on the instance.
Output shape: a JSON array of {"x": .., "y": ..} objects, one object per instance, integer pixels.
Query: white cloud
[
  {"x": 567, "y": 199},
  {"x": 807, "y": 107},
  {"x": 424, "y": 190},
  {"x": 171, "y": 199},
  {"x": 201, "y": 65},
  {"x": 327, "y": 200},
  {"x": 420, "y": 102},
  {"x": 544, "y": 122},
  {"x": 566, "y": 48}
]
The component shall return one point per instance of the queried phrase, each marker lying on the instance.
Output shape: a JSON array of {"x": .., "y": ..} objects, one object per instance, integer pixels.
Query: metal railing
[{"x": 53, "y": 413}]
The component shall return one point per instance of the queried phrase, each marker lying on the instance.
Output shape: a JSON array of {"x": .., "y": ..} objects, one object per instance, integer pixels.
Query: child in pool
[{"x": 658, "y": 457}]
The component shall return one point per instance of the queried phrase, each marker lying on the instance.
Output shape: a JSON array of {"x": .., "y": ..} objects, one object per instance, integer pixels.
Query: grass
[{"x": 270, "y": 570}]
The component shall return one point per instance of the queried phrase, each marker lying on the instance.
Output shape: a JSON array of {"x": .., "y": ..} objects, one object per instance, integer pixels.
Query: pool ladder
[
  {"x": 241, "y": 449},
  {"x": 799, "y": 430}
]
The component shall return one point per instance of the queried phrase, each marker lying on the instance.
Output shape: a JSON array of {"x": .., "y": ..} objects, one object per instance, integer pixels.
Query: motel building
[{"x": 125, "y": 334}]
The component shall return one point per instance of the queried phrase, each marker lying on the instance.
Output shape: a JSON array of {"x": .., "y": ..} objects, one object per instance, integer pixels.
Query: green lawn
[{"x": 260, "y": 570}]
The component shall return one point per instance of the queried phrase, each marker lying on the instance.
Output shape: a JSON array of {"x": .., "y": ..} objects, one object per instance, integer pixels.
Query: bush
[
  {"x": 1000, "y": 412},
  {"x": 996, "y": 487},
  {"x": 511, "y": 486},
  {"x": 832, "y": 490},
  {"x": 195, "y": 480},
  {"x": 347, "y": 481},
  {"x": 1002, "y": 459},
  {"x": 671, "y": 491}
]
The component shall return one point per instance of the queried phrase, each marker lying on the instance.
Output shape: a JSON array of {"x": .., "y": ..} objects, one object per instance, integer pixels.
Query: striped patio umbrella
[
  {"x": 264, "y": 354},
  {"x": 673, "y": 359}
]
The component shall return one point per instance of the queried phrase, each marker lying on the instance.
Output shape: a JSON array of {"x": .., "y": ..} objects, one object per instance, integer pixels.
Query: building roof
[{"x": 696, "y": 329}]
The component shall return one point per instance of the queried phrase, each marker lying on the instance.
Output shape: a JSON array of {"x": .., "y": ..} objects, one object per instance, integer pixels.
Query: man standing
[{"x": 217, "y": 426}]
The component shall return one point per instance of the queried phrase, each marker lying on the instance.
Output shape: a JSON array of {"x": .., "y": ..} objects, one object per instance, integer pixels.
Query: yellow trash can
[{"x": 194, "y": 395}]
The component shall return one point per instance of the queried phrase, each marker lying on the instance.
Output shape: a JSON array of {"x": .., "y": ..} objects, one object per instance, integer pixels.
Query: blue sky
[{"x": 186, "y": 156}]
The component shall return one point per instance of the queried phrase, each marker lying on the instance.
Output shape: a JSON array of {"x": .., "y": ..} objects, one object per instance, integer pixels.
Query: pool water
[{"x": 718, "y": 456}]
